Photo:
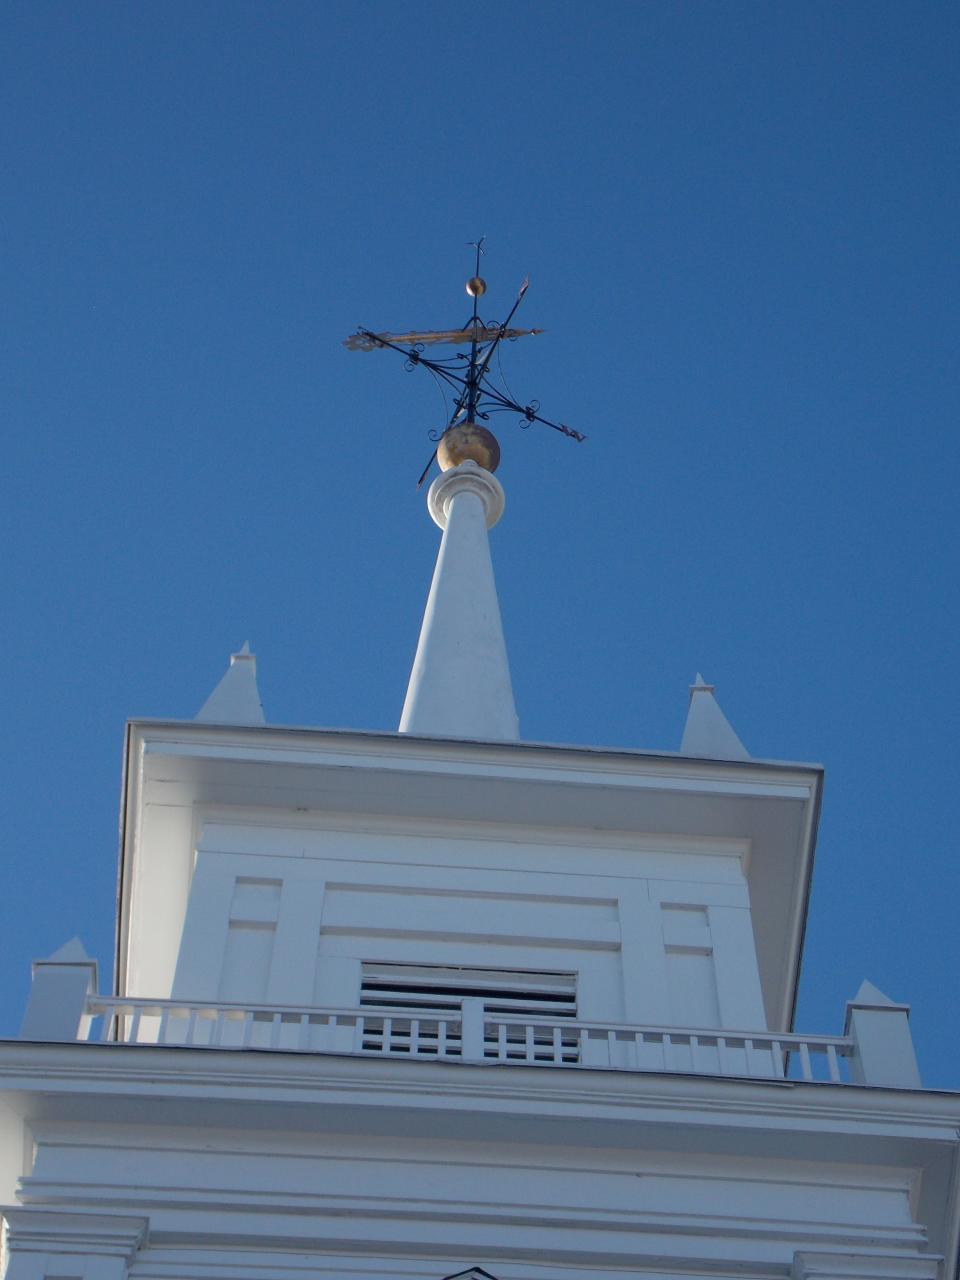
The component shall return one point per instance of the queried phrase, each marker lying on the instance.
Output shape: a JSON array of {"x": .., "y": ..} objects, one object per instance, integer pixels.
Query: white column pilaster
[
  {"x": 294, "y": 963},
  {"x": 43, "y": 1244},
  {"x": 865, "y": 1265},
  {"x": 58, "y": 995},
  {"x": 880, "y": 1029},
  {"x": 204, "y": 940}
]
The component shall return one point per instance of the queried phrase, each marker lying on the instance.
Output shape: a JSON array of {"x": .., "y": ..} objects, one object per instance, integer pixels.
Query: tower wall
[{"x": 652, "y": 932}]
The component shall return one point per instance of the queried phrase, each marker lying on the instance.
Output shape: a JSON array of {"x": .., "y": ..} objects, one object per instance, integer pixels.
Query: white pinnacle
[
  {"x": 872, "y": 997},
  {"x": 72, "y": 952},
  {"x": 708, "y": 732},
  {"x": 460, "y": 682},
  {"x": 236, "y": 699}
]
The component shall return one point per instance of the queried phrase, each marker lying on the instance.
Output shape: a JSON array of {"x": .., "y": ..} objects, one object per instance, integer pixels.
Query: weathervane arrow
[{"x": 365, "y": 340}]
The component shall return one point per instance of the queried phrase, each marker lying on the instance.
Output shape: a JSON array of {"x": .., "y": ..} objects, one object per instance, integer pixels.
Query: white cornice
[
  {"x": 366, "y": 741},
  {"x": 28, "y": 1069}
]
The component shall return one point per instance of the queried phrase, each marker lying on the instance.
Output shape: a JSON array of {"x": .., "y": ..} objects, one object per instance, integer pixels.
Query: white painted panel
[
  {"x": 646, "y": 997},
  {"x": 204, "y": 940},
  {"x": 159, "y": 896},
  {"x": 444, "y": 913},
  {"x": 255, "y": 898},
  {"x": 336, "y": 980},
  {"x": 685, "y": 926},
  {"x": 738, "y": 975},
  {"x": 294, "y": 963},
  {"x": 590, "y": 861},
  {"x": 599, "y": 990},
  {"x": 693, "y": 988},
  {"x": 701, "y": 893},
  {"x": 420, "y": 1173},
  {"x": 262, "y": 867},
  {"x": 246, "y": 963}
]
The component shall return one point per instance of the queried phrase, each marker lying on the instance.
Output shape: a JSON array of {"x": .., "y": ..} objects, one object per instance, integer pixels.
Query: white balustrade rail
[{"x": 468, "y": 1034}]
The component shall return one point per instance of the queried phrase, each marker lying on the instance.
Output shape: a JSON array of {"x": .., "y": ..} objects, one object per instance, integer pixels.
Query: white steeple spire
[
  {"x": 460, "y": 683},
  {"x": 707, "y": 731},
  {"x": 236, "y": 699}
]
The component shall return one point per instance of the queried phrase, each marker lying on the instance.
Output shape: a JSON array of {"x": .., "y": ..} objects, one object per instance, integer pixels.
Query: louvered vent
[{"x": 508, "y": 993}]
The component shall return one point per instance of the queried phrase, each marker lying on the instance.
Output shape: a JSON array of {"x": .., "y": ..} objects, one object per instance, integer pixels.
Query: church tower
[{"x": 444, "y": 1002}]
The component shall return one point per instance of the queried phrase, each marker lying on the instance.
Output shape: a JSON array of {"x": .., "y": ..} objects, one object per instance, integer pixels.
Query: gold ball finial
[
  {"x": 471, "y": 442},
  {"x": 476, "y": 287}
]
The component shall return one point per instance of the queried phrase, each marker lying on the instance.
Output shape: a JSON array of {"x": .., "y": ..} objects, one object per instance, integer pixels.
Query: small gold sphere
[
  {"x": 476, "y": 287},
  {"x": 468, "y": 441}
]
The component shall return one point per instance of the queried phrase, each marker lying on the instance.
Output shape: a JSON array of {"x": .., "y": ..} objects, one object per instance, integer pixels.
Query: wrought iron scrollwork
[
  {"x": 469, "y": 376},
  {"x": 413, "y": 357},
  {"x": 529, "y": 412}
]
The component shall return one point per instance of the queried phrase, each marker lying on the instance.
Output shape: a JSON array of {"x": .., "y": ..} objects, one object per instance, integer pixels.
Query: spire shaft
[{"x": 460, "y": 683}]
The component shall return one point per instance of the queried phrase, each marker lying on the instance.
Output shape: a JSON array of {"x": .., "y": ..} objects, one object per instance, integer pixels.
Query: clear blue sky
[{"x": 740, "y": 225}]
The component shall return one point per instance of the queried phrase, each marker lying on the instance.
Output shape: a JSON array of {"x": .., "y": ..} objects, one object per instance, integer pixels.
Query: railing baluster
[
  {"x": 247, "y": 1029},
  {"x": 502, "y": 1041},
  {"x": 473, "y": 1024},
  {"x": 832, "y": 1064},
  {"x": 722, "y": 1054},
  {"x": 276, "y": 1029},
  {"x": 748, "y": 1055},
  {"x": 557, "y": 1045},
  {"x": 441, "y": 1037},
  {"x": 528, "y": 1043},
  {"x": 386, "y": 1045},
  {"x": 777, "y": 1051},
  {"x": 666, "y": 1041},
  {"x": 162, "y": 1028},
  {"x": 805, "y": 1068},
  {"x": 192, "y": 1025},
  {"x": 694, "y": 1051},
  {"x": 414, "y": 1037},
  {"x": 134, "y": 1031}
]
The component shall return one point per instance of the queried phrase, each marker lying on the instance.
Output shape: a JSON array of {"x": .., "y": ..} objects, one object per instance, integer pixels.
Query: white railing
[{"x": 468, "y": 1034}]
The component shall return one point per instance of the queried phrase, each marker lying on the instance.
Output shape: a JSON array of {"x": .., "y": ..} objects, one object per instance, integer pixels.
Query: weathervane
[{"x": 469, "y": 375}]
